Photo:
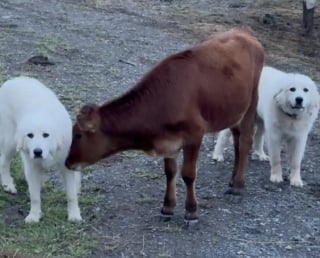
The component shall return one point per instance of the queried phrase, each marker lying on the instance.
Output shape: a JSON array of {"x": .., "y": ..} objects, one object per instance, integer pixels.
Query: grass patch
[
  {"x": 145, "y": 174},
  {"x": 45, "y": 46},
  {"x": 3, "y": 75},
  {"x": 145, "y": 199},
  {"x": 54, "y": 236},
  {"x": 131, "y": 154},
  {"x": 264, "y": 3},
  {"x": 166, "y": 228}
]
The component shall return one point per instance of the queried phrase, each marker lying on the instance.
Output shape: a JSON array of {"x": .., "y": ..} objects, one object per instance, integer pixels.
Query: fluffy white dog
[
  {"x": 287, "y": 108},
  {"x": 35, "y": 123}
]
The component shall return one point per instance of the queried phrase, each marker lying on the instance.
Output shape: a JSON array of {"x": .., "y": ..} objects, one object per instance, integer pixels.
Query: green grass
[
  {"x": 53, "y": 236},
  {"x": 145, "y": 174},
  {"x": 3, "y": 75},
  {"x": 48, "y": 45},
  {"x": 264, "y": 3}
]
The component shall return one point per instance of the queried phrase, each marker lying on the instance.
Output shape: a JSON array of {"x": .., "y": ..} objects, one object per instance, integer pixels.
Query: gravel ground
[{"x": 100, "y": 49}]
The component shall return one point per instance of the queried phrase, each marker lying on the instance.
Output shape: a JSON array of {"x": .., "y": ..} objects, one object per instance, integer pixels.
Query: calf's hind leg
[
  {"x": 188, "y": 172},
  {"x": 235, "y": 135},
  {"x": 170, "y": 168},
  {"x": 242, "y": 139},
  {"x": 241, "y": 159}
]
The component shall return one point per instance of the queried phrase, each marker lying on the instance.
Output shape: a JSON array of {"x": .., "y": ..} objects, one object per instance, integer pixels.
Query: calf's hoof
[
  {"x": 166, "y": 212},
  {"x": 191, "y": 217},
  {"x": 235, "y": 191},
  {"x": 235, "y": 187}
]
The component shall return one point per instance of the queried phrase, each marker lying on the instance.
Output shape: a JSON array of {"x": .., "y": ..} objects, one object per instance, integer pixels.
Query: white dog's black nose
[
  {"x": 37, "y": 153},
  {"x": 299, "y": 100}
]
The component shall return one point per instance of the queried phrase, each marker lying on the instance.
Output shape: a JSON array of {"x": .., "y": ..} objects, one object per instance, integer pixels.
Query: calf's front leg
[{"x": 170, "y": 169}]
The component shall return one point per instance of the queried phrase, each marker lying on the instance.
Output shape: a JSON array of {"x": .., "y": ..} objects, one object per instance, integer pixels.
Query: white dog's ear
[
  {"x": 19, "y": 139},
  {"x": 56, "y": 145},
  {"x": 315, "y": 104},
  {"x": 279, "y": 97},
  {"x": 59, "y": 142}
]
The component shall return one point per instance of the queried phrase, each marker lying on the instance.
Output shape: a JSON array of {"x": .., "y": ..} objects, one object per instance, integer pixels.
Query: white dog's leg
[
  {"x": 274, "y": 149},
  {"x": 34, "y": 179},
  {"x": 78, "y": 181},
  {"x": 296, "y": 150},
  {"x": 6, "y": 178},
  {"x": 223, "y": 138},
  {"x": 72, "y": 181},
  {"x": 258, "y": 152}
]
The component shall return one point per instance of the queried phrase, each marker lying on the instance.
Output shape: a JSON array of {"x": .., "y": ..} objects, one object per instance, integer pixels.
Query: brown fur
[{"x": 207, "y": 88}]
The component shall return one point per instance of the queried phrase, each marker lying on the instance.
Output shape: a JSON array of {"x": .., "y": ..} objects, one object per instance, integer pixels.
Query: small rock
[
  {"x": 268, "y": 19},
  {"x": 40, "y": 60}
]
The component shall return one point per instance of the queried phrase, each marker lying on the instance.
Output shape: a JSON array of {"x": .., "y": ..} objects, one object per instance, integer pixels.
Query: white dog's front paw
[
  {"x": 74, "y": 214},
  {"x": 33, "y": 218},
  {"x": 217, "y": 156},
  {"x": 296, "y": 181},
  {"x": 256, "y": 155},
  {"x": 276, "y": 178},
  {"x": 9, "y": 188},
  {"x": 76, "y": 217}
]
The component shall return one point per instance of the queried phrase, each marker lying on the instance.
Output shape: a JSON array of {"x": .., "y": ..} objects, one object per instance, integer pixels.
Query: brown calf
[{"x": 207, "y": 88}]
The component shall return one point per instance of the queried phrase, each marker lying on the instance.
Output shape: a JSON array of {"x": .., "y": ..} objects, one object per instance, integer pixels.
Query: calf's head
[{"x": 88, "y": 142}]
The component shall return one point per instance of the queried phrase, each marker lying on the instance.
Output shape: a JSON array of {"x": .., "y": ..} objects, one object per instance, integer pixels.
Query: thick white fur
[
  {"x": 310, "y": 3},
  {"x": 32, "y": 120},
  {"x": 281, "y": 120}
]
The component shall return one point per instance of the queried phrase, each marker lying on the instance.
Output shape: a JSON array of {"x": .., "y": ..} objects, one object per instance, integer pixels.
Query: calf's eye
[
  {"x": 30, "y": 135},
  {"x": 293, "y": 89},
  {"x": 45, "y": 135},
  {"x": 77, "y": 136}
]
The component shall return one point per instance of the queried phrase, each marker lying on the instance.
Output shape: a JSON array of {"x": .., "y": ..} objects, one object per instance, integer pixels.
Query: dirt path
[{"x": 100, "y": 48}]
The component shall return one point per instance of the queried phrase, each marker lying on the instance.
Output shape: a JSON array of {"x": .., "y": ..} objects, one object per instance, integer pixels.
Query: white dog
[
  {"x": 35, "y": 123},
  {"x": 287, "y": 108}
]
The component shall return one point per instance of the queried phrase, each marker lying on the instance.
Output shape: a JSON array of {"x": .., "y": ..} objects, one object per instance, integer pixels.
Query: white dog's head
[
  {"x": 298, "y": 95},
  {"x": 38, "y": 140}
]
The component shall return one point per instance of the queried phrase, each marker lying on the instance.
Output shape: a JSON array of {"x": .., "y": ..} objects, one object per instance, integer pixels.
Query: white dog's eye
[
  {"x": 30, "y": 135},
  {"x": 293, "y": 89},
  {"x": 45, "y": 135},
  {"x": 305, "y": 90}
]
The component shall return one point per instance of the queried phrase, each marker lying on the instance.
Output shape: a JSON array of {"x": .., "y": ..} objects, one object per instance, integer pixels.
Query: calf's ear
[{"x": 88, "y": 118}]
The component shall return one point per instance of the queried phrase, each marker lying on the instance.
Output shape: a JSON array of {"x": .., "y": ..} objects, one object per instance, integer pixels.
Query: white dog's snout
[
  {"x": 298, "y": 103},
  {"x": 299, "y": 100},
  {"x": 37, "y": 153}
]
